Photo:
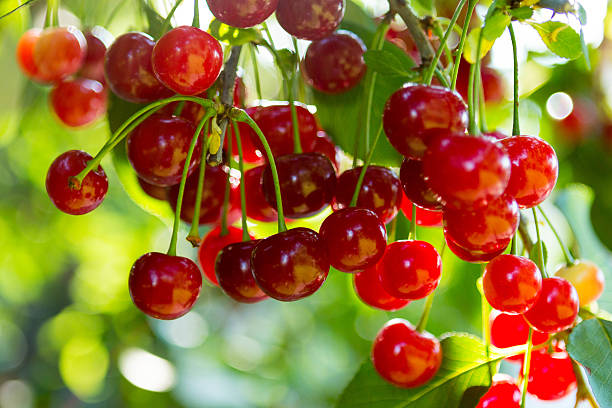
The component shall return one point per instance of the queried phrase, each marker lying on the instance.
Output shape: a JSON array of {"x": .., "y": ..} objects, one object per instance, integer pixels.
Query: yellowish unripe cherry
[{"x": 586, "y": 277}]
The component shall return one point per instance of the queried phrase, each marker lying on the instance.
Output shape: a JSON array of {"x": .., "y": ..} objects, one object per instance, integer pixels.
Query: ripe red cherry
[
  {"x": 483, "y": 230},
  {"x": 556, "y": 308},
  {"x": 152, "y": 190},
  {"x": 324, "y": 145},
  {"x": 212, "y": 243},
  {"x": 59, "y": 52},
  {"x": 242, "y": 13},
  {"x": 25, "y": 54},
  {"x": 355, "y": 239},
  {"x": 410, "y": 269},
  {"x": 415, "y": 187},
  {"x": 535, "y": 169},
  {"x": 250, "y": 153},
  {"x": 405, "y": 357},
  {"x": 75, "y": 201},
  {"x": 290, "y": 265},
  {"x": 471, "y": 256},
  {"x": 187, "y": 60},
  {"x": 310, "y": 19},
  {"x": 381, "y": 191},
  {"x": 512, "y": 283},
  {"x": 478, "y": 167},
  {"x": 503, "y": 393},
  {"x": 257, "y": 206},
  {"x": 416, "y": 112},
  {"x": 335, "y": 63},
  {"x": 307, "y": 184},
  {"x": 93, "y": 65},
  {"x": 369, "y": 288},
  {"x": 233, "y": 269},
  {"x": 493, "y": 83},
  {"x": 128, "y": 69},
  {"x": 425, "y": 218},
  {"x": 163, "y": 286},
  {"x": 78, "y": 102},
  {"x": 513, "y": 330},
  {"x": 586, "y": 277},
  {"x": 551, "y": 376}
]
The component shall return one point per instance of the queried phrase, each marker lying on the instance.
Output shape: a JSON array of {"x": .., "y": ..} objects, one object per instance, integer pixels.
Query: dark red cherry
[
  {"x": 25, "y": 54},
  {"x": 59, "y": 52},
  {"x": 556, "y": 308},
  {"x": 324, "y": 145},
  {"x": 405, "y": 357},
  {"x": 513, "y": 330},
  {"x": 335, "y": 63},
  {"x": 257, "y": 207},
  {"x": 551, "y": 376},
  {"x": 163, "y": 286},
  {"x": 416, "y": 112},
  {"x": 78, "y": 102},
  {"x": 152, "y": 190},
  {"x": 415, "y": 187},
  {"x": 290, "y": 265},
  {"x": 240, "y": 92},
  {"x": 503, "y": 393},
  {"x": 242, "y": 13},
  {"x": 425, "y": 218},
  {"x": 187, "y": 60},
  {"x": 381, "y": 191},
  {"x": 410, "y": 269},
  {"x": 512, "y": 283},
  {"x": 75, "y": 201},
  {"x": 369, "y": 288},
  {"x": 233, "y": 269},
  {"x": 535, "y": 169},
  {"x": 355, "y": 239},
  {"x": 483, "y": 230},
  {"x": 310, "y": 19},
  {"x": 471, "y": 256},
  {"x": 212, "y": 243},
  {"x": 93, "y": 65},
  {"x": 158, "y": 147}
]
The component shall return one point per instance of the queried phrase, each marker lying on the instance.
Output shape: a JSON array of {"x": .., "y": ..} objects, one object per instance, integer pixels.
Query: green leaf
[
  {"x": 287, "y": 60},
  {"x": 559, "y": 6},
  {"x": 494, "y": 26},
  {"x": 585, "y": 50},
  {"x": 232, "y": 35},
  {"x": 590, "y": 344},
  {"x": 472, "y": 395},
  {"x": 156, "y": 22},
  {"x": 582, "y": 14},
  {"x": 521, "y": 13},
  {"x": 387, "y": 63},
  {"x": 560, "y": 38},
  {"x": 464, "y": 365}
]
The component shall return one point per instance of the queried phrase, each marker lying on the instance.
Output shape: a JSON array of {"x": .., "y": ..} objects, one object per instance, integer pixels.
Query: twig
[{"x": 413, "y": 24}]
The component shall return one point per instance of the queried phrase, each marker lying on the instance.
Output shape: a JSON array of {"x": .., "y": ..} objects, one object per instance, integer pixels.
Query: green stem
[
  {"x": 264, "y": 25},
  {"x": 393, "y": 233},
  {"x": 516, "y": 128},
  {"x": 245, "y": 227},
  {"x": 569, "y": 259},
  {"x": 527, "y": 366},
  {"x": 196, "y": 14},
  {"x": 252, "y": 48},
  {"x": 482, "y": 113},
  {"x": 226, "y": 197},
  {"x": 471, "y": 108},
  {"x": 466, "y": 26},
  {"x": 194, "y": 232},
  {"x": 377, "y": 44},
  {"x": 426, "y": 310},
  {"x": 486, "y": 332},
  {"x": 297, "y": 143},
  {"x": 514, "y": 244},
  {"x": 168, "y": 19},
  {"x": 364, "y": 169},
  {"x": 51, "y": 18},
  {"x": 413, "y": 226},
  {"x": 540, "y": 246},
  {"x": 442, "y": 78},
  {"x": 584, "y": 390}
]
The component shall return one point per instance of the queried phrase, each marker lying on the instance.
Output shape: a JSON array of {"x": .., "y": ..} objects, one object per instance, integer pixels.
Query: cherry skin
[
  {"x": 158, "y": 147},
  {"x": 78, "y": 102},
  {"x": 310, "y": 19},
  {"x": 164, "y": 286},
  {"x": 556, "y": 308},
  {"x": 586, "y": 277},
  {"x": 257, "y": 207},
  {"x": 233, "y": 269},
  {"x": 416, "y": 112},
  {"x": 307, "y": 184},
  {"x": 535, "y": 169},
  {"x": 512, "y": 283},
  {"x": 128, "y": 69},
  {"x": 415, "y": 187},
  {"x": 369, "y": 288},
  {"x": 355, "y": 239},
  {"x": 513, "y": 330},
  {"x": 471, "y": 256},
  {"x": 59, "y": 52},
  {"x": 290, "y": 265},
  {"x": 93, "y": 65},
  {"x": 242, "y": 13},
  {"x": 503, "y": 393},
  {"x": 335, "y": 63},
  {"x": 25, "y": 54},
  {"x": 212, "y": 243},
  {"x": 187, "y": 60},
  {"x": 405, "y": 357},
  {"x": 551, "y": 376},
  {"x": 425, "y": 218},
  {"x": 75, "y": 201},
  {"x": 410, "y": 269},
  {"x": 152, "y": 190},
  {"x": 381, "y": 191},
  {"x": 324, "y": 145}
]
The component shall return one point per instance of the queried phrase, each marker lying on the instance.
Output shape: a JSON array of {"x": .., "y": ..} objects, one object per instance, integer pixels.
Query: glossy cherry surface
[
  {"x": 535, "y": 169},
  {"x": 59, "y": 52},
  {"x": 556, "y": 308},
  {"x": 425, "y": 218},
  {"x": 187, "y": 60},
  {"x": 471, "y": 256},
  {"x": 503, "y": 393},
  {"x": 25, "y": 54},
  {"x": 512, "y": 330},
  {"x": 415, "y": 187},
  {"x": 415, "y": 113},
  {"x": 163, "y": 286},
  {"x": 93, "y": 65},
  {"x": 381, "y": 191},
  {"x": 369, "y": 288},
  {"x": 405, "y": 357},
  {"x": 355, "y": 239},
  {"x": 290, "y": 265},
  {"x": 410, "y": 269},
  {"x": 158, "y": 147},
  {"x": 551, "y": 376},
  {"x": 75, "y": 201},
  {"x": 78, "y": 102},
  {"x": 310, "y": 19},
  {"x": 128, "y": 69},
  {"x": 242, "y": 13},
  {"x": 212, "y": 243},
  {"x": 512, "y": 283},
  {"x": 152, "y": 190},
  {"x": 257, "y": 207},
  {"x": 233, "y": 269},
  {"x": 307, "y": 184},
  {"x": 586, "y": 278},
  {"x": 335, "y": 63}
]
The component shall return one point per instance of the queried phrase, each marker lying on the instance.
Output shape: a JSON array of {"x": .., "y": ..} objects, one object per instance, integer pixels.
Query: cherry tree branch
[{"x": 414, "y": 26}]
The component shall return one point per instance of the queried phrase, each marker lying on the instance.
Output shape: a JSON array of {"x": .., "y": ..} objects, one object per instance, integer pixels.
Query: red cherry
[
  {"x": 415, "y": 187},
  {"x": 581, "y": 123},
  {"x": 410, "y": 269},
  {"x": 493, "y": 83},
  {"x": 503, "y": 393},
  {"x": 78, "y": 102},
  {"x": 163, "y": 286},
  {"x": 242, "y": 13},
  {"x": 187, "y": 60},
  {"x": 513, "y": 330},
  {"x": 93, "y": 65},
  {"x": 586, "y": 277},
  {"x": 381, "y": 191},
  {"x": 290, "y": 265},
  {"x": 152, "y": 190},
  {"x": 307, "y": 184},
  {"x": 551, "y": 376},
  {"x": 257, "y": 206},
  {"x": 512, "y": 283},
  {"x": 240, "y": 92},
  {"x": 556, "y": 308},
  {"x": 250, "y": 153},
  {"x": 233, "y": 269},
  {"x": 310, "y": 19},
  {"x": 355, "y": 239},
  {"x": 497, "y": 135},
  {"x": 425, "y": 218},
  {"x": 335, "y": 63},
  {"x": 369, "y": 288},
  {"x": 416, "y": 112},
  {"x": 535, "y": 169},
  {"x": 324, "y": 145},
  {"x": 25, "y": 54},
  {"x": 471, "y": 256},
  {"x": 75, "y": 201},
  {"x": 59, "y": 52},
  {"x": 212, "y": 243},
  {"x": 405, "y": 357}
]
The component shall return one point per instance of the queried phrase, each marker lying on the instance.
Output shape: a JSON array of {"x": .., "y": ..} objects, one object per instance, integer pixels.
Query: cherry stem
[
  {"x": 253, "y": 48},
  {"x": 482, "y": 113},
  {"x": 245, "y": 227},
  {"x": 466, "y": 26},
  {"x": 196, "y": 14},
  {"x": 425, "y": 315},
  {"x": 413, "y": 225},
  {"x": 364, "y": 169},
  {"x": 514, "y": 245},
  {"x": 440, "y": 76},
  {"x": 516, "y": 128},
  {"x": 486, "y": 332},
  {"x": 539, "y": 244},
  {"x": 194, "y": 233},
  {"x": 264, "y": 25},
  {"x": 393, "y": 233},
  {"x": 569, "y": 259},
  {"x": 584, "y": 390},
  {"x": 473, "y": 85},
  {"x": 226, "y": 196},
  {"x": 527, "y": 366},
  {"x": 297, "y": 143},
  {"x": 168, "y": 18},
  {"x": 51, "y": 18},
  {"x": 414, "y": 27}
]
